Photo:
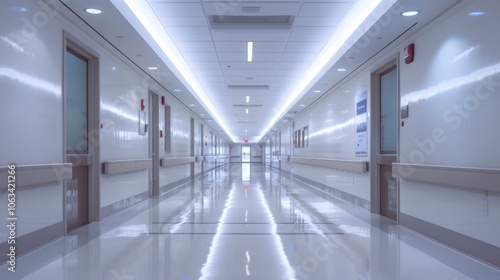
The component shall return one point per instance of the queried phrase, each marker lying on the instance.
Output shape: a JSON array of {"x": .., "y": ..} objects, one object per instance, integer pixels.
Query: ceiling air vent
[{"x": 267, "y": 22}]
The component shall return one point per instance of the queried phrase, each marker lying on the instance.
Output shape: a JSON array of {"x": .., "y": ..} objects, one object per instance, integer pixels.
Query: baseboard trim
[
  {"x": 123, "y": 204},
  {"x": 474, "y": 248},
  {"x": 169, "y": 187},
  {"x": 32, "y": 240},
  {"x": 358, "y": 201}
]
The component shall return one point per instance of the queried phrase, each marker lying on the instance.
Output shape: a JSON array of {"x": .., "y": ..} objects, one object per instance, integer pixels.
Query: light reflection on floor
[{"x": 245, "y": 221}]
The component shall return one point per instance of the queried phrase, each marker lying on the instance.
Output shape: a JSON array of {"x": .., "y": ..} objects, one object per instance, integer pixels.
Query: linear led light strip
[
  {"x": 149, "y": 20},
  {"x": 359, "y": 13},
  {"x": 249, "y": 51}
]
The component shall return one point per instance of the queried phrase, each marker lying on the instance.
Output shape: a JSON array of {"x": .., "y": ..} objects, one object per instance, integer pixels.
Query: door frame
[
  {"x": 192, "y": 146},
  {"x": 93, "y": 128},
  {"x": 250, "y": 151},
  {"x": 154, "y": 142},
  {"x": 375, "y": 133}
]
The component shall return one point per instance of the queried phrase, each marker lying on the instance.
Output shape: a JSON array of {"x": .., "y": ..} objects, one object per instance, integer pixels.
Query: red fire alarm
[
  {"x": 142, "y": 105},
  {"x": 163, "y": 100},
  {"x": 409, "y": 53}
]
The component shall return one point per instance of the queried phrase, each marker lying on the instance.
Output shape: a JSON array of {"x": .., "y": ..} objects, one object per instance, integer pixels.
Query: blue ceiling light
[
  {"x": 476, "y": 14},
  {"x": 19, "y": 9}
]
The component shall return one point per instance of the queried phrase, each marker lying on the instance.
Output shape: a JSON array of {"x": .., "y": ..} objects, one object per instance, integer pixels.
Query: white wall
[
  {"x": 452, "y": 88},
  {"x": 452, "y": 91},
  {"x": 180, "y": 131},
  {"x": 31, "y": 110},
  {"x": 332, "y": 135},
  {"x": 121, "y": 92},
  {"x": 31, "y": 78}
]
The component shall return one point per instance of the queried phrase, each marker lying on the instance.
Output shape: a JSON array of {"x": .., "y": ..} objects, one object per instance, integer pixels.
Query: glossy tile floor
[{"x": 244, "y": 221}]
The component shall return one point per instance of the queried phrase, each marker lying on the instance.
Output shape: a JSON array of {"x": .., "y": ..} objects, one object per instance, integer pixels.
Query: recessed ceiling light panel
[
  {"x": 249, "y": 51},
  {"x": 476, "y": 14},
  {"x": 93, "y": 11},
  {"x": 19, "y": 9},
  {"x": 410, "y": 13}
]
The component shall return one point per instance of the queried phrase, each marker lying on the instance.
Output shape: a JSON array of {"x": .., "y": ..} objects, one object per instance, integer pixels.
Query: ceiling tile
[
  {"x": 299, "y": 57},
  {"x": 304, "y": 46},
  {"x": 183, "y": 21},
  {"x": 317, "y": 21},
  {"x": 254, "y": 65},
  {"x": 255, "y": 35},
  {"x": 293, "y": 65},
  {"x": 289, "y": 73},
  {"x": 324, "y": 9},
  {"x": 231, "y": 46},
  {"x": 178, "y": 9},
  {"x": 310, "y": 34},
  {"x": 248, "y": 73},
  {"x": 205, "y": 66},
  {"x": 267, "y": 47},
  {"x": 200, "y": 56},
  {"x": 195, "y": 46}
]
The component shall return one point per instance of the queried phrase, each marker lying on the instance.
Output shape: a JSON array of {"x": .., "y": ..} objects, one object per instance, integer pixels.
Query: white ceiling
[{"x": 216, "y": 55}]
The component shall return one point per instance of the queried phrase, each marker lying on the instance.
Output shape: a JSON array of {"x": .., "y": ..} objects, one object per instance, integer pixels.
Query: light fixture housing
[
  {"x": 248, "y": 99},
  {"x": 93, "y": 11}
]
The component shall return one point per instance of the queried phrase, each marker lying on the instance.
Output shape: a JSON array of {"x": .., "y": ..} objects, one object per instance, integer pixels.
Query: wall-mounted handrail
[
  {"x": 166, "y": 162},
  {"x": 112, "y": 167},
  {"x": 207, "y": 158},
  {"x": 30, "y": 175},
  {"x": 466, "y": 177},
  {"x": 345, "y": 165},
  {"x": 199, "y": 158}
]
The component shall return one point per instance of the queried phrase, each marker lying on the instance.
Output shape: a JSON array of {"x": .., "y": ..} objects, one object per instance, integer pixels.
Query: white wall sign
[{"x": 361, "y": 125}]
